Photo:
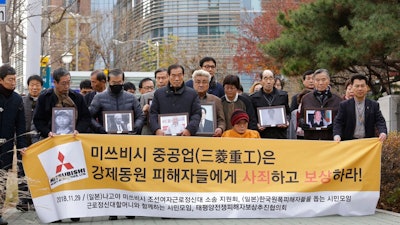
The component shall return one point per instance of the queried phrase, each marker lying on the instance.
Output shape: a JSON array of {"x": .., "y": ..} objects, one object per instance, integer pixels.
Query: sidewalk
[{"x": 15, "y": 217}]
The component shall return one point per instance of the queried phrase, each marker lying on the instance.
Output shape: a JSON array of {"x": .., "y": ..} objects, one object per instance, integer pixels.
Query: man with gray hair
[
  {"x": 321, "y": 98},
  {"x": 201, "y": 82}
]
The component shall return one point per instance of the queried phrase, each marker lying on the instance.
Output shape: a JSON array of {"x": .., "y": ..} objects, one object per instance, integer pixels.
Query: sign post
[{"x": 3, "y": 11}]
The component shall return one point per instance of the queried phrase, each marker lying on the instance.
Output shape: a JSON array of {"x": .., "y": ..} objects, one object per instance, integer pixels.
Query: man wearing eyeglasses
[
  {"x": 320, "y": 98},
  {"x": 60, "y": 96},
  {"x": 146, "y": 85},
  {"x": 210, "y": 65},
  {"x": 201, "y": 80},
  {"x": 161, "y": 76},
  {"x": 269, "y": 96}
]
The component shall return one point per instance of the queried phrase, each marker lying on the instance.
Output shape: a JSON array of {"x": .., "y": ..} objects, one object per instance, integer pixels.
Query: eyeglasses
[
  {"x": 65, "y": 83},
  {"x": 148, "y": 88},
  {"x": 209, "y": 66}
]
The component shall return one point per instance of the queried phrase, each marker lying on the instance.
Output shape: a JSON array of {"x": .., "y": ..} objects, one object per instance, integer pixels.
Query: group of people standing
[{"x": 29, "y": 118}]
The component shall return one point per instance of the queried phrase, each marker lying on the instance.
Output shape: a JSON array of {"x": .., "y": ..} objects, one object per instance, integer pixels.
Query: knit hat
[{"x": 238, "y": 115}]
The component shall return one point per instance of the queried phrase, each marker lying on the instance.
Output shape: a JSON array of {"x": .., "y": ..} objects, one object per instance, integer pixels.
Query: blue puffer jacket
[{"x": 108, "y": 101}]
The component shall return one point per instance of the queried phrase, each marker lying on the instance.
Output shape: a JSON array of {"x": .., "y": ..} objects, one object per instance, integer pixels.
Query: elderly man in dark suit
[{"x": 359, "y": 117}]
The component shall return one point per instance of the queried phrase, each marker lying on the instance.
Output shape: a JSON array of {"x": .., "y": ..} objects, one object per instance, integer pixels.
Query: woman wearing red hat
[{"x": 240, "y": 122}]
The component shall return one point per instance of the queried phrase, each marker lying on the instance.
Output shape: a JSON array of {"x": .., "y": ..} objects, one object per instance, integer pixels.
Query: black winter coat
[
  {"x": 12, "y": 123},
  {"x": 42, "y": 117},
  {"x": 345, "y": 121},
  {"x": 280, "y": 98},
  {"x": 169, "y": 100}
]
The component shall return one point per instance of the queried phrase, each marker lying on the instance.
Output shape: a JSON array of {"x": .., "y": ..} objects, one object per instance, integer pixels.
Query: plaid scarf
[{"x": 65, "y": 101}]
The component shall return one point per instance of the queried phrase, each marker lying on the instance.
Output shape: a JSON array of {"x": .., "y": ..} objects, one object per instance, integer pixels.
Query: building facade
[{"x": 198, "y": 28}]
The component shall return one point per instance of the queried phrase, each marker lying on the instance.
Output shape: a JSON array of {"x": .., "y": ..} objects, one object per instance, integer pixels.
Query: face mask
[{"x": 116, "y": 88}]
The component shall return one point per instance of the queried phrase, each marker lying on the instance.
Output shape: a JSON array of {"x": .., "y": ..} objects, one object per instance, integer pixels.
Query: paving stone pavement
[{"x": 15, "y": 217}]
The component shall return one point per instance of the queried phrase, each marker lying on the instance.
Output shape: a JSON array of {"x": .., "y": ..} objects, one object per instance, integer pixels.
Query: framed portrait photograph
[
  {"x": 173, "y": 124},
  {"x": 63, "y": 120},
  {"x": 118, "y": 122},
  {"x": 149, "y": 101},
  {"x": 271, "y": 116},
  {"x": 318, "y": 118},
  {"x": 208, "y": 121}
]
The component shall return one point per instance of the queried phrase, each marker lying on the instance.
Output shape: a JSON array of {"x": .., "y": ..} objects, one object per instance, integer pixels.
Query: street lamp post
[
  {"x": 76, "y": 18},
  {"x": 156, "y": 45},
  {"x": 66, "y": 58}
]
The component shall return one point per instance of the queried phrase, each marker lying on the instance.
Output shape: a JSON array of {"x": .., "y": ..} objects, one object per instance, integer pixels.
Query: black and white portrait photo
[
  {"x": 118, "y": 122},
  {"x": 63, "y": 121}
]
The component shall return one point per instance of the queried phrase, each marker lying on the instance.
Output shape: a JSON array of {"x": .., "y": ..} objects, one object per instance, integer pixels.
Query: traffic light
[
  {"x": 45, "y": 71},
  {"x": 44, "y": 61}
]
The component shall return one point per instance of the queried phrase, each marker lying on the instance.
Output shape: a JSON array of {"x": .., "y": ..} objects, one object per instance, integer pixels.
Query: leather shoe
[
  {"x": 2, "y": 221},
  {"x": 57, "y": 221},
  {"x": 113, "y": 218},
  {"x": 75, "y": 219}
]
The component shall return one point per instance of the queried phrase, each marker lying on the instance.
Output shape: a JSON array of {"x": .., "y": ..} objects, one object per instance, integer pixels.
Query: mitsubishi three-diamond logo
[
  {"x": 67, "y": 165},
  {"x": 64, "y": 163}
]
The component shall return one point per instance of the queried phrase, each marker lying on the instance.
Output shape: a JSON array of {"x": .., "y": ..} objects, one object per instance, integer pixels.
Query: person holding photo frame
[
  {"x": 321, "y": 98},
  {"x": 269, "y": 96},
  {"x": 63, "y": 122},
  {"x": 60, "y": 96},
  {"x": 201, "y": 80},
  {"x": 175, "y": 98},
  {"x": 115, "y": 99}
]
